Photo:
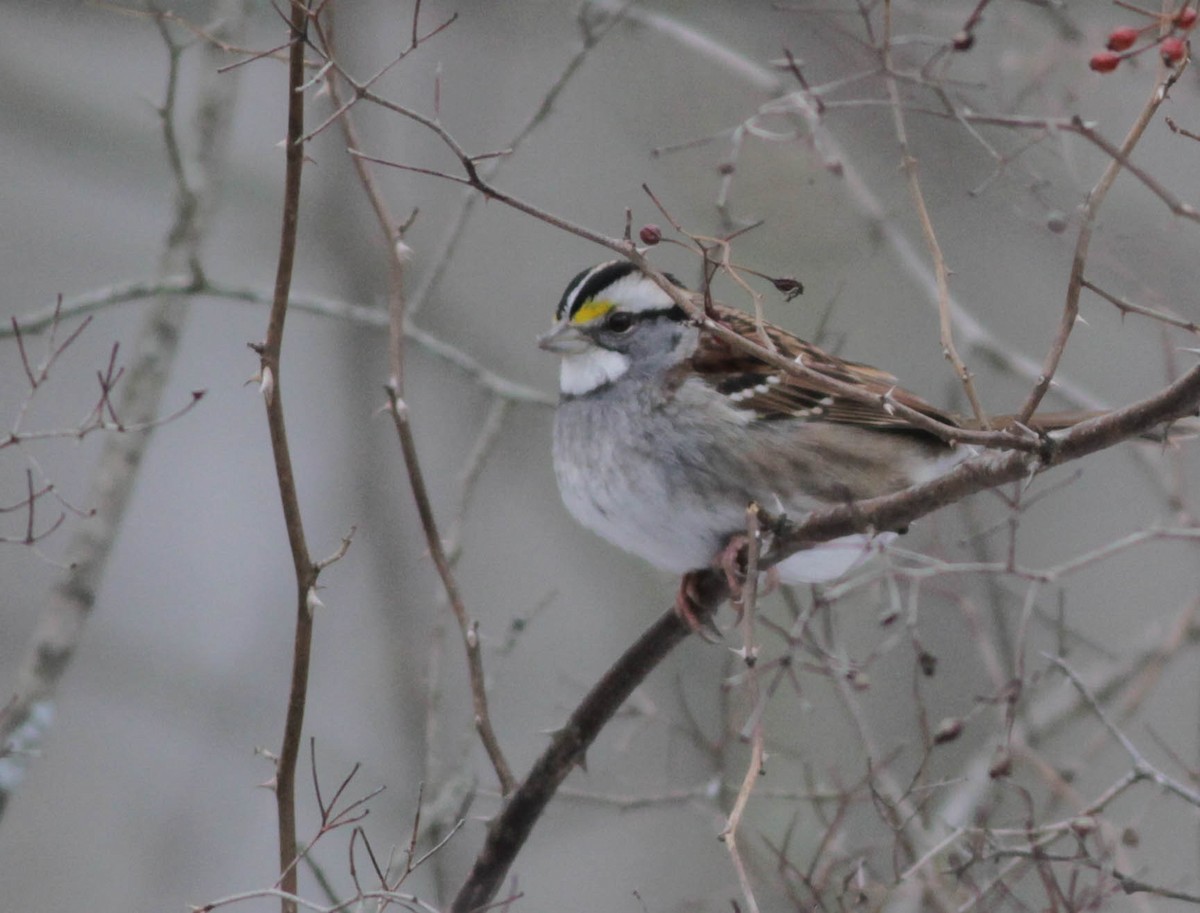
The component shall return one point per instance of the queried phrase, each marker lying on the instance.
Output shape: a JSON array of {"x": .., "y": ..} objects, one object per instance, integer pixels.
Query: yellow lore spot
[{"x": 593, "y": 310}]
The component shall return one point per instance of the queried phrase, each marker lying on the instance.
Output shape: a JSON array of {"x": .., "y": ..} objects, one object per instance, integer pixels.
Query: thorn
[
  {"x": 747, "y": 654},
  {"x": 266, "y": 385}
]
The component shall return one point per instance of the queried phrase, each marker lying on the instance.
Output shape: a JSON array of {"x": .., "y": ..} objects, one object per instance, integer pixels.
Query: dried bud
[
  {"x": 1104, "y": 62},
  {"x": 650, "y": 235},
  {"x": 1122, "y": 39},
  {"x": 1083, "y": 825},
  {"x": 928, "y": 663},
  {"x": 726, "y": 168},
  {"x": 1001, "y": 764},
  {"x": 1130, "y": 837},
  {"x": 1173, "y": 50},
  {"x": 789, "y": 286},
  {"x": 1056, "y": 221},
  {"x": 947, "y": 730},
  {"x": 964, "y": 41}
]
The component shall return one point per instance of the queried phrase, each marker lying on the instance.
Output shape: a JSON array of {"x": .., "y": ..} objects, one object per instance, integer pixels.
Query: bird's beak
[{"x": 565, "y": 339}]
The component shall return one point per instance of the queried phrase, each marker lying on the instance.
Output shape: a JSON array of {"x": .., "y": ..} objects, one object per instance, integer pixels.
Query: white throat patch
[{"x": 585, "y": 372}]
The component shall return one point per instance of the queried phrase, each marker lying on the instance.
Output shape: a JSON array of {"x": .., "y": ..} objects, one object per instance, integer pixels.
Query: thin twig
[
  {"x": 749, "y": 654},
  {"x": 1128, "y": 307},
  {"x": 909, "y": 164},
  {"x": 467, "y": 627},
  {"x": 1087, "y": 219},
  {"x": 397, "y": 307},
  {"x": 1142, "y": 768}
]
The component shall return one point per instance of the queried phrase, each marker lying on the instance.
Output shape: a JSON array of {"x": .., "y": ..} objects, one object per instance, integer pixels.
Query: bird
[{"x": 665, "y": 433}]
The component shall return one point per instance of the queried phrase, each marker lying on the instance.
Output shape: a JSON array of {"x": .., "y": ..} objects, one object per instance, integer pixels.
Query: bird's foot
[
  {"x": 731, "y": 563},
  {"x": 694, "y": 612}
]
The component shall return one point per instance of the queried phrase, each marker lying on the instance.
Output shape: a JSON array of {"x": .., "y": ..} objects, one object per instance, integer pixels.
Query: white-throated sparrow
[{"x": 664, "y": 433}]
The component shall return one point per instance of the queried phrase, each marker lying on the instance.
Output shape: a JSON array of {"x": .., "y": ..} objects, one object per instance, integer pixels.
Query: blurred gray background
[{"x": 144, "y": 795}]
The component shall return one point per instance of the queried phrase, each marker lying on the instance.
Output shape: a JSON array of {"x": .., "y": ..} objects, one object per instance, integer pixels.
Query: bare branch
[
  {"x": 1089, "y": 211},
  {"x": 304, "y": 567},
  {"x": 467, "y": 627},
  {"x": 66, "y": 612}
]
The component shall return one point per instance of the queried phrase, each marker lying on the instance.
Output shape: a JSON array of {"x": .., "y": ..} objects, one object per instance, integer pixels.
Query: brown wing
[{"x": 750, "y": 383}]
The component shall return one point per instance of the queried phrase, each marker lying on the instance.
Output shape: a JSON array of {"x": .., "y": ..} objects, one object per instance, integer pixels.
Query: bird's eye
[{"x": 619, "y": 322}]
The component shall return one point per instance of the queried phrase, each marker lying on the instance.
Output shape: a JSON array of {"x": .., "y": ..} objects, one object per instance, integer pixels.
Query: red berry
[
  {"x": 1185, "y": 18},
  {"x": 1104, "y": 62},
  {"x": 650, "y": 235},
  {"x": 1122, "y": 39},
  {"x": 1173, "y": 50}
]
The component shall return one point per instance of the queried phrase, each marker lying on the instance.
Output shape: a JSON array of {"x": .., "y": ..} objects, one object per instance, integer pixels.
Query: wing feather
[{"x": 752, "y": 384}]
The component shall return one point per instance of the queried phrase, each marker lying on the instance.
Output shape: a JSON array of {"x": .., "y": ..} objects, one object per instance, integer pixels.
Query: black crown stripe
[{"x": 592, "y": 281}]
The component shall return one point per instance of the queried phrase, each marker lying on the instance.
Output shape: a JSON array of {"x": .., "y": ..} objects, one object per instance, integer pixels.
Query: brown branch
[
  {"x": 303, "y": 565},
  {"x": 989, "y": 470},
  {"x": 398, "y": 254},
  {"x": 1087, "y": 220},
  {"x": 468, "y": 627},
  {"x": 511, "y": 827},
  {"x": 940, "y": 271},
  {"x": 1128, "y": 307}
]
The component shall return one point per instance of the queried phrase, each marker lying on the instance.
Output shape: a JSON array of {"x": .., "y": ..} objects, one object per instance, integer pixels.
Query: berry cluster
[{"x": 1169, "y": 30}]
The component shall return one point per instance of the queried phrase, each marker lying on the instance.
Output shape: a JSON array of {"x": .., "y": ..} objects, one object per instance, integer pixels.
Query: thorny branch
[
  {"x": 1091, "y": 207},
  {"x": 940, "y": 270},
  {"x": 469, "y": 629},
  {"x": 305, "y": 568},
  {"x": 397, "y": 308}
]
